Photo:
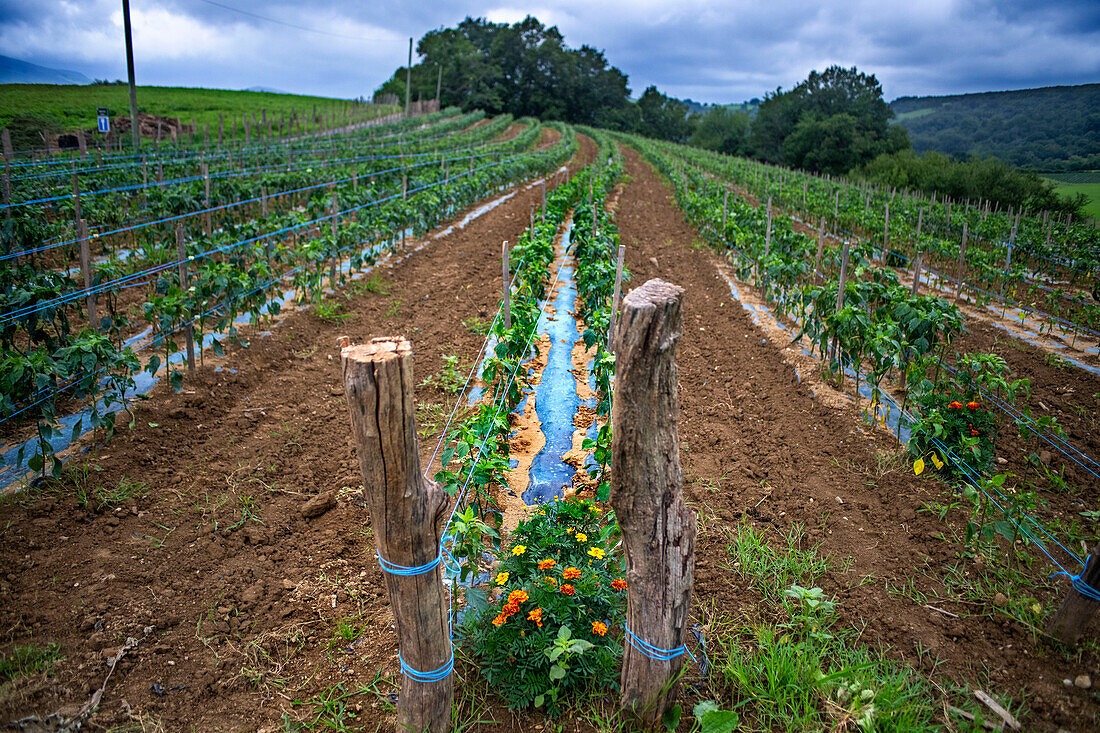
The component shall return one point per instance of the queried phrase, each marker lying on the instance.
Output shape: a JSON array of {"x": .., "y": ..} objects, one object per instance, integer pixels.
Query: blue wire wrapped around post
[{"x": 408, "y": 513}]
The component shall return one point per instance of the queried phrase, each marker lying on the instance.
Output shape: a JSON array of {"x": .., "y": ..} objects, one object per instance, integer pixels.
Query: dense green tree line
[{"x": 834, "y": 122}]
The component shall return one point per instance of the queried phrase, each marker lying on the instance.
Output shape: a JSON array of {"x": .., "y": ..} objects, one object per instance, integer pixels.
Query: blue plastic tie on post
[
  {"x": 655, "y": 652},
  {"x": 434, "y": 676},
  {"x": 395, "y": 569},
  {"x": 1079, "y": 583}
]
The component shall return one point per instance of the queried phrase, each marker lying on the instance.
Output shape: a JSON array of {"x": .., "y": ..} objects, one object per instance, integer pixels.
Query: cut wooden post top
[
  {"x": 652, "y": 293},
  {"x": 378, "y": 349}
]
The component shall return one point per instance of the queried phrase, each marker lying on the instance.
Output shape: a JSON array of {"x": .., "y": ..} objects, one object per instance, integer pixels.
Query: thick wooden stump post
[
  {"x": 1069, "y": 621},
  {"x": 407, "y": 513},
  {"x": 647, "y": 494}
]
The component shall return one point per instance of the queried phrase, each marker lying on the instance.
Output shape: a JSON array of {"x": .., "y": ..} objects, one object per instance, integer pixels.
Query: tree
[
  {"x": 664, "y": 117},
  {"x": 832, "y": 122},
  {"x": 722, "y": 130}
]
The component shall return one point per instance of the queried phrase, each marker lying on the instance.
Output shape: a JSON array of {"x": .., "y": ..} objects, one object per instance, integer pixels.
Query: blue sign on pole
[{"x": 103, "y": 118}]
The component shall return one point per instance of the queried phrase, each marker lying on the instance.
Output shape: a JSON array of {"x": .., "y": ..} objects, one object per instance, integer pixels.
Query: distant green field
[
  {"x": 1071, "y": 184},
  {"x": 60, "y": 107}
]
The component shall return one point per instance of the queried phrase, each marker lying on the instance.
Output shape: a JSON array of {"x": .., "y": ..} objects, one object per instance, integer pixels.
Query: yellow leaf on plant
[
  {"x": 936, "y": 461},
  {"x": 918, "y": 466}
]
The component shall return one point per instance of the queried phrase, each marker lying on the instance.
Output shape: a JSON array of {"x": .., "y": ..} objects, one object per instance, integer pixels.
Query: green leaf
[
  {"x": 671, "y": 718},
  {"x": 719, "y": 721},
  {"x": 477, "y": 599},
  {"x": 557, "y": 672}
]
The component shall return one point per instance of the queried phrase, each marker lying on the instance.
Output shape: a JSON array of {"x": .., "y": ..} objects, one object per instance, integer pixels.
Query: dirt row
[
  {"x": 758, "y": 445},
  {"x": 245, "y": 570},
  {"x": 247, "y": 544}
]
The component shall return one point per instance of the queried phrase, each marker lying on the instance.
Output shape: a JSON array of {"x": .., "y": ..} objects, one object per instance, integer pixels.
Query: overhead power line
[{"x": 294, "y": 25}]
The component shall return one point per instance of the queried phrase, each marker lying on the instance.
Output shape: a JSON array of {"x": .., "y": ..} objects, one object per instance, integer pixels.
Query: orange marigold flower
[
  {"x": 499, "y": 620},
  {"x": 509, "y": 610},
  {"x": 599, "y": 628},
  {"x": 518, "y": 596},
  {"x": 568, "y": 590},
  {"x": 956, "y": 405},
  {"x": 571, "y": 573},
  {"x": 972, "y": 405},
  {"x": 550, "y": 580},
  {"x": 618, "y": 584},
  {"x": 547, "y": 564},
  {"x": 536, "y": 616},
  {"x": 973, "y": 432}
]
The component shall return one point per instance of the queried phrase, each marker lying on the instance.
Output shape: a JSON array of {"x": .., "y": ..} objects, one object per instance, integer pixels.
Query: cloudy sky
[{"x": 711, "y": 51}]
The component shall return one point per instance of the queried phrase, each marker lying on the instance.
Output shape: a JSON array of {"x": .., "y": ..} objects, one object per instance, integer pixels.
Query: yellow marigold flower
[
  {"x": 571, "y": 530},
  {"x": 518, "y": 596},
  {"x": 581, "y": 537},
  {"x": 547, "y": 564},
  {"x": 519, "y": 550},
  {"x": 499, "y": 620},
  {"x": 595, "y": 509},
  {"x": 502, "y": 578},
  {"x": 598, "y": 627},
  {"x": 571, "y": 573},
  {"x": 596, "y": 552}
]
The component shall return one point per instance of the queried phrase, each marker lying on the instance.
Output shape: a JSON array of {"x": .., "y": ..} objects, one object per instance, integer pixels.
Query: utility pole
[
  {"x": 408, "y": 77},
  {"x": 135, "y": 133}
]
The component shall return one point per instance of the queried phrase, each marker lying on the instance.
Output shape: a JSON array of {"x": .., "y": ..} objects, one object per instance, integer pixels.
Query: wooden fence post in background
[
  {"x": 407, "y": 515},
  {"x": 86, "y": 269},
  {"x": 647, "y": 494},
  {"x": 962, "y": 261},
  {"x": 335, "y": 240},
  {"x": 188, "y": 330},
  {"x": 615, "y": 297},
  {"x": 768, "y": 233},
  {"x": 725, "y": 208},
  {"x": 886, "y": 234},
  {"x": 1069, "y": 621},
  {"x": 840, "y": 295},
  {"x": 820, "y": 244},
  {"x": 507, "y": 307}
]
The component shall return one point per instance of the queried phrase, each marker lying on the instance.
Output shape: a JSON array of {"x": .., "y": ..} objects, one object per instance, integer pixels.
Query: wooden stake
[
  {"x": 725, "y": 206},
  {"x": 188, "y": 330},
  {"x": 7, "y": 185},
  {"x": 76, "y": 198},
  {"x": 840, "y": 292},
  {"x": 407, "y": 516},
  {"x": 206, "y": 184},
  {"x": 504, "y": 254},
  {"x": 86, "y": 269},
  {"x": 615, "y": 297},
  {"x": 647, "y": 493},
  {"x": 917, "y": 262},
  {"x": 768, "y": 232},
  {"x": 820, "y": 244},
  {"x": 1070, "y": 620},
  {"x": 886, "y": 234},
  {"x": 5, "y": 136},
  {"x": 962, "y": 261}
]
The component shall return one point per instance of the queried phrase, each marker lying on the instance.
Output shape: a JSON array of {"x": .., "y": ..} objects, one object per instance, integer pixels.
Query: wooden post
[
  {"x": 886, "y": 234},
  {"x": 221, "y": 129},
  {"x": 206, "y": 183},
  {"x": 5, "y": 136},
  {"x": 962, "y": 261},
  {"x": 504, "y": 254},
  {"x": 615, "y": 297},
  {"x": 7, "y": 185},
  {"x": 335, "y": 240},
  {"x": 836, "y": 211},
  {"x": 407, "y": 516},
  {"x": 768, "y": 232},
  {"x": 647, "y": 494},
  {"x": 840, "y": 293},
  {"x": 1011, "y": 244},
  {"x": 86, "y": 269},
  {"x": 81, "y": 142},
  {"x": 188, "y": 330},
  {"x": 725, "y": 207},
  {"x": 1069, "y": 621},
  {"x": 820, "y": 244},
  {"x": 918, "y": 261},
  {"x": 76, "y": 198}
]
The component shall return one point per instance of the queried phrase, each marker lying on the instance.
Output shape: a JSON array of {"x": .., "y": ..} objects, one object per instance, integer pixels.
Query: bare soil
[{"x": 251, "y": 545}]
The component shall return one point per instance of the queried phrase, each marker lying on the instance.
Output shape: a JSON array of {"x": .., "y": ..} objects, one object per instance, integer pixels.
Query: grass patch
[{"x": 25, "y": 661}]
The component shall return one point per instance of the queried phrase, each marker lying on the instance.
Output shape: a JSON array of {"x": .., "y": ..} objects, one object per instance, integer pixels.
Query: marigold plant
[{"x": 556, "y": 583}]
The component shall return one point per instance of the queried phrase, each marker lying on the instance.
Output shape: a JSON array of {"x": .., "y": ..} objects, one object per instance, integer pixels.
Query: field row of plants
[
  {"x": 1053, "y": 269},
  {"x": 127, "y": 215},
  {"x": 541, "y": 610},
  {"x": 955, "y": 405},
  {"x": 51, "y": 355}
]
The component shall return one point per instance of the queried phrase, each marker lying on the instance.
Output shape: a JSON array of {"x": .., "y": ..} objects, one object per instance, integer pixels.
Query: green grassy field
[
  {"x": 1086, "y": 182},
  {"x": 60, "y": 107}
]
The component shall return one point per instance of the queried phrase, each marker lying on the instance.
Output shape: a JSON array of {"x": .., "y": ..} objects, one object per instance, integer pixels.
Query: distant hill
[
  {"x": 14, "y": 71},
  {"x": 1046, "y": 129},
  {"x": 268, "y": 90}
]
